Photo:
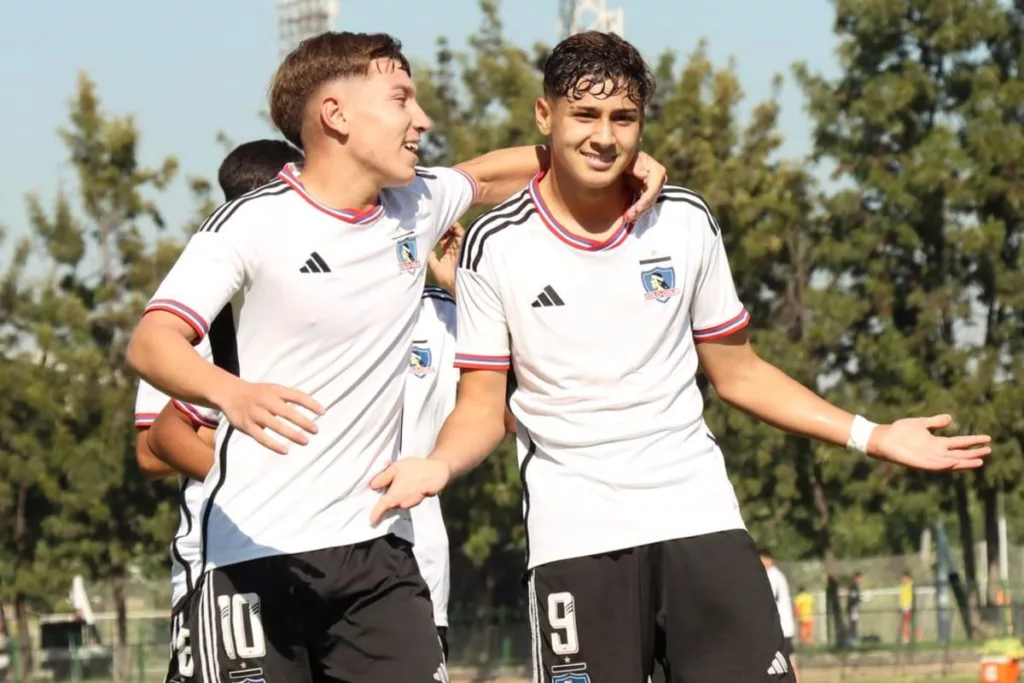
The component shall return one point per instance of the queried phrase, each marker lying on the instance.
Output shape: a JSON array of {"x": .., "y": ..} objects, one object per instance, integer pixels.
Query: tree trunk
[
  {"x": 25, "y": 658},
  {"x": 990, "y": 508},
  {"x": 966, "y": 522},
  {"x": 122, "y": 660},
  {"x": 834, "y": 611}
]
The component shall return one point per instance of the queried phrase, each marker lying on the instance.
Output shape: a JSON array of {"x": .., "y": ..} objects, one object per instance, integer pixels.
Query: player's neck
[
  {"x": 339, "y": 182},
  {"x": 594, "y": 213}
]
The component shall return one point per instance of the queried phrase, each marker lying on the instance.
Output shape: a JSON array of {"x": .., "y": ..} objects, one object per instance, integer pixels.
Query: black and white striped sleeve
[
  {"x": 716, "y": 310},
  {"x": 211, "y": 269},
  {"x": 482, "y": 342}
]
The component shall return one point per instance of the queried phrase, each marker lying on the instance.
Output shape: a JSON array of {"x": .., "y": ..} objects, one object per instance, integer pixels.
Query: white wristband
[{"x": 860, "y": 433}]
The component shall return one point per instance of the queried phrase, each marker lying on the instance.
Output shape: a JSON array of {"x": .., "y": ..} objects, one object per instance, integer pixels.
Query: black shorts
[
  {"x": 358, "y": 614},
  {"x": 442, "y": 635},
  {"x": 701, "y": 607}
]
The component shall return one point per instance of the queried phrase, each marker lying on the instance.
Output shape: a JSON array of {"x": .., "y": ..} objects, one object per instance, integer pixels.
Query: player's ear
[
  {"x": 331, "y": 110},
  {"x": 542, "y": 111}
]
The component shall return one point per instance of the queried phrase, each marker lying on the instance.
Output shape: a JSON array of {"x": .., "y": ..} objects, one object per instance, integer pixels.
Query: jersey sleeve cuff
[
  {"x": 194, "y": 414},
  {"x": 194, "y": 320},
  {"x": 467, "y": 361},
  {"x": 474, "y": 188},
  {"x": 143, "y": 420},
  {"x": 722, "y": 330}
]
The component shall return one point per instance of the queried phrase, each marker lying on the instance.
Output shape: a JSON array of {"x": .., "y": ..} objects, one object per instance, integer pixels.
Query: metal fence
[{"x": 498, "y": 650}]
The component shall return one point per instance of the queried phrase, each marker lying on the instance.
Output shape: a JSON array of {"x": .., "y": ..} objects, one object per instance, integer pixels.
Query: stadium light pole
[
  {"x": 575, "y": 16},
  {"x": 301, "y": 19}
]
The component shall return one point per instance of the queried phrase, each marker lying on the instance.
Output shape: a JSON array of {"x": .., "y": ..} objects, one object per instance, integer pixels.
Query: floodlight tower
[
  {"x": 301, "y": 19},
  {"x": 588, "y": 15}
]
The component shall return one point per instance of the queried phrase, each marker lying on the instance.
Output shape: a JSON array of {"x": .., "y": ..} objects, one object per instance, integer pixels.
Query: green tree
[
  {"x": 923, "y": 127},
  {"x": 101, "y": 517}
]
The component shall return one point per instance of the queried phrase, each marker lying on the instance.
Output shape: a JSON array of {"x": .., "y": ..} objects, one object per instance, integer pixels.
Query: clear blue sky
[{"x": 190, "y": 68}]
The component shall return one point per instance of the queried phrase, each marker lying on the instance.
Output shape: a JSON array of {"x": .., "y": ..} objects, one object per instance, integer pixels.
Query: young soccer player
[
  {"x": 636, "y": 546},
  {"x": 244, "y": 169},
  {"x": 324, "y": 273}
]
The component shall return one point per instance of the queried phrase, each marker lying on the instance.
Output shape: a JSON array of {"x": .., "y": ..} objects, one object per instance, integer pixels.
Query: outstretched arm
[
  {"x": 757, "y": 387},
  {"x": 469, "y": 435},
  {"x": 477, "y": 424}
]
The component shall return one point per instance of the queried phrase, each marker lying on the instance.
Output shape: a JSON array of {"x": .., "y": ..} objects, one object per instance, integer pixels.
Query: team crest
[
  {"x": 408, "y": 256},
  {"x": 659, "y": 283},
  {"x": 420, "y": 360},
  {"x": 571, "y": 678}
]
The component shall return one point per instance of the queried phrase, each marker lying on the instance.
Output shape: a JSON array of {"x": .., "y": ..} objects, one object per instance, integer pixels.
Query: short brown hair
[{"x": 319, "y": 60}]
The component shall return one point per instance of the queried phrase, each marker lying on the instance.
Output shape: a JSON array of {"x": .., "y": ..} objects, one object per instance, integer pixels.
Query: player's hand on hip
[
  {"x": 650, "y": 176},
  {"x": 408, "y": 482},
  {"x": 911, "y": 442},
  {"x": 252, "y": 408}
]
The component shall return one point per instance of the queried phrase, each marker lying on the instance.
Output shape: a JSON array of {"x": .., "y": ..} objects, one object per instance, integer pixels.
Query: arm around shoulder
[{"x": 500, "y": 174}]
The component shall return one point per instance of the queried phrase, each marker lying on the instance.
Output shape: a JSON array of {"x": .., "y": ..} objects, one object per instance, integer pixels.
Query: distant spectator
[
  {"x": 780, "y": 589},
  {"x": 906, "y": 607},
  {"x": 804, "y": 604},
  {"x": 853, "y": 600}
]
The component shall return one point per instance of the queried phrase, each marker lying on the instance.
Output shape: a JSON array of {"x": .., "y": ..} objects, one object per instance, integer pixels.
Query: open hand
[
  {"x": 408, "y": 482},
  {"x": 651, "y": 177},
  {"x": 251, "y": 408},
  {"x": 910, "y": 442},
  {"x": 443, "y": 267}
]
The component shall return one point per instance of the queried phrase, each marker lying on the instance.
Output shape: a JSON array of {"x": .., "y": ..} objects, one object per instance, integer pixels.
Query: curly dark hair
[{"x": 585, "y": 59}]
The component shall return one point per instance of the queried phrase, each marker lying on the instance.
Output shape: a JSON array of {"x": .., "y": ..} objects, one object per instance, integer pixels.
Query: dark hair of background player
[{"x": 254, "y": 164}]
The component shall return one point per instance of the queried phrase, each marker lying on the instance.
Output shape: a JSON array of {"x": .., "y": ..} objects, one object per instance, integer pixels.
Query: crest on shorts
[
  {"x": 571, "y": 678},
  {"x": 420, "y": 359},
  {"x": 408, "y": 255},
  {"x": 659, "y": 283}
]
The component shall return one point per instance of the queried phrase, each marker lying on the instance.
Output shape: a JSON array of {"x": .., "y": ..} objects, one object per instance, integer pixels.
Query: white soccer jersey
[
  {"x": 324, "y": 301},
  {"x": 780, "y": 589},
  {"x": 186, "y": 556},
  {"x": 430, "y": 387},
  {"x": 613, "y": 447}
]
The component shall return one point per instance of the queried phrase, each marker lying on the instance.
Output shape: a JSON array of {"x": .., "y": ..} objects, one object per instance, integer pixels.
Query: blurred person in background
[
  {"x": 783, "y": 603},
  {"x": 906, "y": 607},
  {"x": 804, "y": 607},
  {"x": 854, "y": 597}
]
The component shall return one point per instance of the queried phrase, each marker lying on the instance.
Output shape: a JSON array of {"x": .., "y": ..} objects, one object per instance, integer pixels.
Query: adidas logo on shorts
[{"x": 779, "y": 666}]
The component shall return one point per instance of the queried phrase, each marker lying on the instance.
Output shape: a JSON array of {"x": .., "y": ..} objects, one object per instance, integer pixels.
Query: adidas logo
[
  {"x": 779, "y": 667},
  {"x": 549, "y": 297},
  {"x": 315, "y": 264},
  {"x": 441, "y": 676}
]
